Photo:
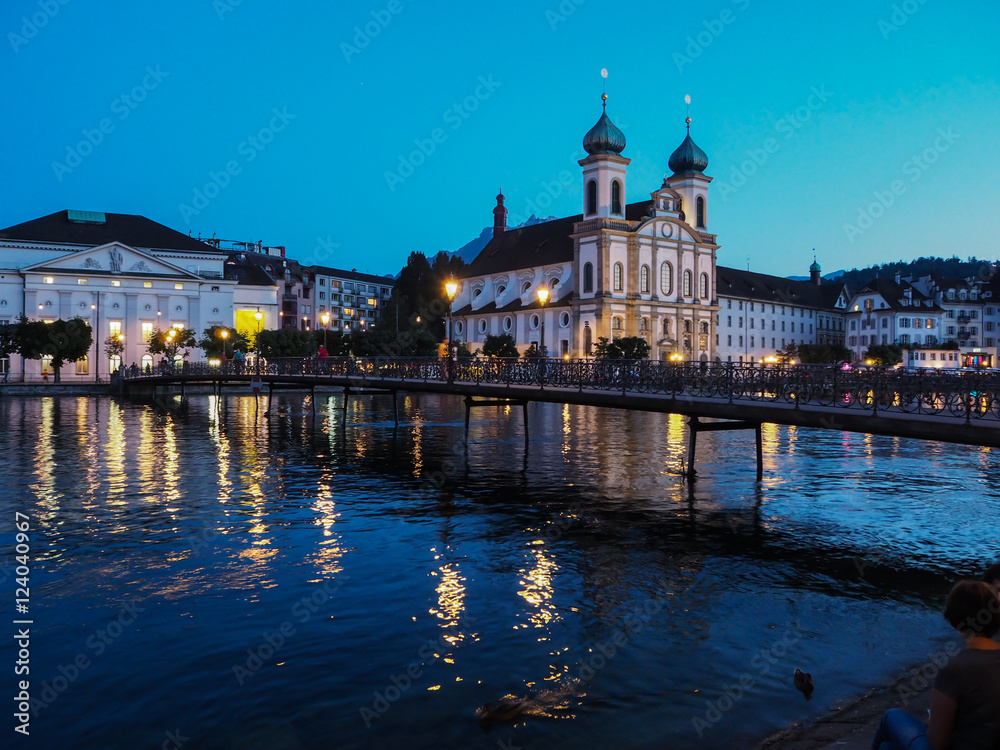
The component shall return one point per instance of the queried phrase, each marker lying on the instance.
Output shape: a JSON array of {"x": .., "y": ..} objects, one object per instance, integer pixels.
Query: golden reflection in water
[
  {"x": 45, "y": 466},
  {"x": 451, "y": 599},
  {"x": 567, "y": 431},
  {"x": 537, "y": 587},
  {"x": 330, "y": 552},
  {"x": 147, "y": 455},
  {"x": 115, "y": 450},
  {"x": 86, "y": 438},
  {"x": 770, "y": 436},
  {"x": 418, "y": 453},
  {"x": 171, "y": 479},
  {"x": 220, "y": 440},
  {"x": 793, "y": 438}
]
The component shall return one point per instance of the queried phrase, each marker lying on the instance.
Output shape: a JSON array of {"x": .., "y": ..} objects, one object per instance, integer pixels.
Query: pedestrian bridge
[{"x": 951, "y": 406}]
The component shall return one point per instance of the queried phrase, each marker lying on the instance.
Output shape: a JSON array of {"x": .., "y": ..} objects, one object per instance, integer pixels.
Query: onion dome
[
  {"x": 815, "y": 266},
  {"x": 604, "y": 137},
  {"x": 688, "y": 158}
]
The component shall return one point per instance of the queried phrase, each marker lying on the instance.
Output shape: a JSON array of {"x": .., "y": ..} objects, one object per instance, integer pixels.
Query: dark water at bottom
[{"x": 329, "y": 582}]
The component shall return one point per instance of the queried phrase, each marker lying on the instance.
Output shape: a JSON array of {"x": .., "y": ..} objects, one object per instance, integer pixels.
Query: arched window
[
  {"x": 687, "y": 284},
  {"x": 592, "y": 197},
  {"x": 687, "y": 326},
  {"x": 500, "y": 290},
  {"x": 619, "y": 273},
  {"x": 115, "y": 362},
  {"x": 644, "y": 279},
  {"x": 476, "y": 293},
  {"x": 666, "y": 279},
  {"x": 588, "y": 340},
  {"x": 147, "y": 361},
  {"x": 616, "y": 197},
  {"x": 703, "y": 286},
  {"x": 700, "y": 210},
  {"x": 616, "y": 323},
  {"x": 525, "y": 287},
  {"x": 588, "y": 277},
  {"x": 704, "y": 328}
]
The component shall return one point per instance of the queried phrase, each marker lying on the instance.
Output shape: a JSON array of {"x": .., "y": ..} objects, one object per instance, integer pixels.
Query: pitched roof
[
  {"x": 733, "y": 282},
  {"x": 892, "y": 293},
  {"x": 128, "y": 229},
  {"x": 537, "y": 245}
]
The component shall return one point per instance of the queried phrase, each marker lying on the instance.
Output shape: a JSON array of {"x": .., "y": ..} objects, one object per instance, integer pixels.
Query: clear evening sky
[{"x": 866, "y": 129}]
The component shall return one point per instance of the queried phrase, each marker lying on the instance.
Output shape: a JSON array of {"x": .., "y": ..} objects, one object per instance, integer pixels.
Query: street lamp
[
  {"x": 259, "y": 316},
  {"x": 450, "y": 288},
  {"x": 224, "y": 333},
  {"x": 325, "y": 318},
  {"x": 543, "y": 297}
]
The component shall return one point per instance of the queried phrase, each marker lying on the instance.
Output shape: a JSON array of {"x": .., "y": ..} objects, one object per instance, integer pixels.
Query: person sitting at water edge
[
  {"x": 992, "y": 577},
  {"x": 965, "y": 701}
]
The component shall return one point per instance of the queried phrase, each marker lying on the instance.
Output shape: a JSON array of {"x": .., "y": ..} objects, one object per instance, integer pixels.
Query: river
[{"x": 203, "y": 576}]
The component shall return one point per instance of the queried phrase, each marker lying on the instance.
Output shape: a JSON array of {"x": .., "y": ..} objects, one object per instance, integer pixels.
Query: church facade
[{"x": 617, "y": 269}]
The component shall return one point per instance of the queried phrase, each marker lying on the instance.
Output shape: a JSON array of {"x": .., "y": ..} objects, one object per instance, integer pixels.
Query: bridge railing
[{"x": 968, "y": 394}]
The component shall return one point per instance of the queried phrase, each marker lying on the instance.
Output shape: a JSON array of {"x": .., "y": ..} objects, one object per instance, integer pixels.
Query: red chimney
[{"x": 499, "y": 216}]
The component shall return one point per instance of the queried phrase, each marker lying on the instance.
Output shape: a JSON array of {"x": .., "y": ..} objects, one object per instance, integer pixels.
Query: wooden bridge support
[
  {"x": 471, "y": 402},
  {"x": 695, "y": 426}
]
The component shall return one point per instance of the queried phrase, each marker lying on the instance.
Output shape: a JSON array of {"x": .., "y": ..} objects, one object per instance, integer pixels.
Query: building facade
[
  {"x": 617, "y": 269},
  {"x": 126, "y": 276}
]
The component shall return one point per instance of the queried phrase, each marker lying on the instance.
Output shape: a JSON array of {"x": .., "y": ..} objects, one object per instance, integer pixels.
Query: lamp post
[
  {"x": 325, "y": 319},
  {"x": 543, "y": 297},
  {"x": 256, "y": 344},
  {"x": 224, "y": 333},
  {"x": 450, "y": 288}
]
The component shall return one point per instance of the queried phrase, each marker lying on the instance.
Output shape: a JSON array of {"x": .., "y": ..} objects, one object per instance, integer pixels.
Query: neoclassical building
[
  {"x": 617, "y": 269},
  {"x": 126, "y": 276}
]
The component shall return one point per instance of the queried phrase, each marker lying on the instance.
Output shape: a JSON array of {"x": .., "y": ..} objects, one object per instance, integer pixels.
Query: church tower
[
  {"x": 604, "y": 170},
  {"x": 688, "y": 164}
]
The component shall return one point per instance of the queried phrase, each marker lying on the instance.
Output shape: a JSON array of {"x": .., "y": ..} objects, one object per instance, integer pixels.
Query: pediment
[
  {"x": 666, "y": 228},
  {"x": 114, "y": 259}
]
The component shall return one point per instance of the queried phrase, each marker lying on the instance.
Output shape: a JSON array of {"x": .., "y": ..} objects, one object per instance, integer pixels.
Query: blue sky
[{"x": 866, "y": 130}]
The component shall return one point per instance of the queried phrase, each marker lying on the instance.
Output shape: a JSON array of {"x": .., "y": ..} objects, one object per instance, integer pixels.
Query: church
[{"x": 617, "y": 269}]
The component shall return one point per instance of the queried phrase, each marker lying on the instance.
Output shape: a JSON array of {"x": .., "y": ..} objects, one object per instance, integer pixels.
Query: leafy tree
[
  {"x": 419, "y": 292},
  {"x": 286, "y": 342},
  {"x": 214, "y": 345},
  {"x": 629, "y": 347},
  {"x": 824, "y": 353},
  {"x": 63, "y": 340},
  {"x": 789, "y": 352},
  {"x": 463, "y": 350},
  {"x": 170, "y": 342},
  {"x": 502, "y": 345},
  {"x": 532, "y": 352},
  {"x": 884, "y": 354}
]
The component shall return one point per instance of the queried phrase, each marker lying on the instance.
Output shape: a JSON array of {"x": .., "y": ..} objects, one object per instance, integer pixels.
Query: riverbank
[{"x": 852, "y": 726}]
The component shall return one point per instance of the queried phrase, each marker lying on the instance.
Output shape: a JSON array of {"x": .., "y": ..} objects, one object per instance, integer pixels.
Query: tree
[
  {"x": 286, "y": 342},
  {"x": 629, "y": 347},
  {"x": 62, "y": 340},
  {"x": 170, "y": 342},
  {"x": 214, "y": 345},
  {"x": 824, "y": 353},
  {"x": 789, "y": 352},
  {"x": 502, "y": 345},
  {"x": 885, "y": 355},
  {"x": 531, "y": 352},
  {"x": 418, "y": 297}
]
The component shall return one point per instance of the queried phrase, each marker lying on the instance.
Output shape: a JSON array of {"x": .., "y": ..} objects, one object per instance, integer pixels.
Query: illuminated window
[
  {"x": 147, "y": 284},
  {"x": 178, "y": 286},
  {"x": 115, "y": 328},
  {"x": 372, "y": 301},
  {"x": 49, "y": 280},
  {"x": 81, "y": 282},
  {"x": 81, "y": 366},
  {"x": 349, "y": 312},
  {"x": 116, "y": 283},
  {"x": 147, "y": 332},
  {"x": 47, "y": 364}
]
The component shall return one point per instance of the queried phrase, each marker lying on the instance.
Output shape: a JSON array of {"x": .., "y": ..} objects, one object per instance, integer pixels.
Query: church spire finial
[
  {"x": 604, "y": 91},
  {"x": 687, "y": 119}
]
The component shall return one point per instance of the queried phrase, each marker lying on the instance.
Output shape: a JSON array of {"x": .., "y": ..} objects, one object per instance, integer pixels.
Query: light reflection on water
[{"x": 579, "y": 571}]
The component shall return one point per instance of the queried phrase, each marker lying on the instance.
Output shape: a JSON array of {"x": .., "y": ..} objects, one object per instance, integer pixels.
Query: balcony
[
  {"x": 963, "y": 334},
  {"x": 964, "y": 318}
]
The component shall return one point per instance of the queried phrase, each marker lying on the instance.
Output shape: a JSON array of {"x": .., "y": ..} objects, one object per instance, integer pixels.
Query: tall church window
[
  {"x": 704, "y": 286},
  {"x": 666, "y": 279},
  {"x": 619, "y": 273},
  {"x": 700, "y": 210},
  {"x": 592, "y": 197},
  {"x": 616, "y": 197},
  {"x": 588, "y": 277},
  {"x": 686, "y": 290},
  {"x": 644, "y": 280}
]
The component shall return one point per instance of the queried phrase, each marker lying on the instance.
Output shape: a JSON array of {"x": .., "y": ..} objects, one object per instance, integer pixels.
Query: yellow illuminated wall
[{"x": 246, "y": 324}]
